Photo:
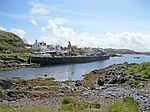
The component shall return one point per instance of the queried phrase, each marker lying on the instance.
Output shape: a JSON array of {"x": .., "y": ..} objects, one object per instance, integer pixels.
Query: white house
[
  {"x": 39, "y": 46},
  {"x": 88, "y": 51}
]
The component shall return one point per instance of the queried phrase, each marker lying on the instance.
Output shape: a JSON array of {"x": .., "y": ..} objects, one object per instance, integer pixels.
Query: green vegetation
[
  {"x": 4, "y": 108},
  {"x": 68, "y": 105},
  {"x": 135, "y": 82},
  {"x": 1, "y": 89},
  {"x": 120, "y": 51},
  {"x": 39, "y": 84},
  {"x": 128, "y": 104},
  {"x": 55, "y": 87},
  {"x": 14, "y": 56},
  {"x": 142, "y": 69},
  {"x": 11, "y": 42},
  {"x": 67, "y": 101}
]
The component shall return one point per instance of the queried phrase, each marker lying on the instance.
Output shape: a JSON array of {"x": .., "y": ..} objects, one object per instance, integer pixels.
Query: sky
[{"x": 122, "y": 24}]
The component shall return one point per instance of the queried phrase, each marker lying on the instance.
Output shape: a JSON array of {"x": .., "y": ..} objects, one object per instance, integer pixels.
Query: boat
[
  {"x": 137, "y": 57},
  {"x": 42, "y": 61},
  {"x": 116, "y": 55}
]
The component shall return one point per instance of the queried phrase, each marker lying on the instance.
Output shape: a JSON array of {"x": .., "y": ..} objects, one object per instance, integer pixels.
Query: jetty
[{"x": 66, "y": 60}]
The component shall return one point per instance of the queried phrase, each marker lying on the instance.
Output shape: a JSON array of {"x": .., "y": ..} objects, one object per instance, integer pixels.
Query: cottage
[{"x": 39, "y": 46}]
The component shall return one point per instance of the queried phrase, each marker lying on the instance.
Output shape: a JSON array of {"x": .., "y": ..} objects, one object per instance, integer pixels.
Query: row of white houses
[{"x": 43, "y": 47}]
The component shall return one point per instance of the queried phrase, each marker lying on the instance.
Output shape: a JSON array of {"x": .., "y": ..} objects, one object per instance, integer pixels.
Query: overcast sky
[{"x": 86, "y": 23}]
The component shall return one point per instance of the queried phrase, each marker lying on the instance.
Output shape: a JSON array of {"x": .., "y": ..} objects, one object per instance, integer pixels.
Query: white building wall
[
  {"x": 35, "y": 46},
  {"x": 42, "y": 48}
]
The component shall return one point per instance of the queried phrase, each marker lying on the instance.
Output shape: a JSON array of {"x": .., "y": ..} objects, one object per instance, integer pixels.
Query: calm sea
[{"x": 71, "y": 71}]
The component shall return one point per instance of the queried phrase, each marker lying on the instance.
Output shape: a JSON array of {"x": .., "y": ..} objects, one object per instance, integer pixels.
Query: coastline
[{"x": 94, "y": 88}]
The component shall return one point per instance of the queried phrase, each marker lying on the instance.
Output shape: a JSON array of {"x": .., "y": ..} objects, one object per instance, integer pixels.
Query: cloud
[
  {"x": 65, "y": 33},
  {"x": 3, "y": 28},
  {"x": 52, "y": 24},
  {"x": 38, "y": 8},
  {"x": 20, "y": 32},
  {"x": 33, "y": 22},
  {"x": 55, "y": 32}
]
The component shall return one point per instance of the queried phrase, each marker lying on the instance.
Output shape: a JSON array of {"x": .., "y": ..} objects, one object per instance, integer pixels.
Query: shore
[
  {"x": 14, "y": 61},
  {"x": 102, "y": 86}
]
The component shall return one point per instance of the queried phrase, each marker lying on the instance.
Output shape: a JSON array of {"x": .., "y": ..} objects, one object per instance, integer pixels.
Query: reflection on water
[{"x": 71, "y": 71}]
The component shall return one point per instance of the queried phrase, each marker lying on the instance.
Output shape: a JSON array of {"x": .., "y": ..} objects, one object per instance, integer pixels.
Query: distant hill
[
  {"x": 11, "y": 42},
  {"x": 121, "y": 51}
]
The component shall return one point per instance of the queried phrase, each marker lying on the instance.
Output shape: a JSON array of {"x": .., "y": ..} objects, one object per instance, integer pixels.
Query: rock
[
  {"x": 95, "y": 71},
  {"x": 122, "y": 80},
  {"x": 11, "y": 93},
  {"x": 100, "y": 82},
  {"x": 113, "y": 80},
  {"x": 78, "y": 83},
  {"x": 118, "y": 80},
  {"x": 6, "y": 84},
  {"x": 16, "y": 94}
]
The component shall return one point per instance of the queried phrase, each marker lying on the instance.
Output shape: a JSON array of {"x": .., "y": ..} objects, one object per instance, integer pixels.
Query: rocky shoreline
[
  {"x": 9, "y": 64},
  {"x": 102, "y": 86}
]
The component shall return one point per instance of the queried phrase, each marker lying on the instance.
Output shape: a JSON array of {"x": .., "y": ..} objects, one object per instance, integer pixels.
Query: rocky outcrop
[
  {"x": 117, "y": 74},
  {"x": 13, "y": 64}
]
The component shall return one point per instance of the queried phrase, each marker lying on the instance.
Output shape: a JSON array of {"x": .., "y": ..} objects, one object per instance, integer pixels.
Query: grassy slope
[{"x": 11, "y": 42}]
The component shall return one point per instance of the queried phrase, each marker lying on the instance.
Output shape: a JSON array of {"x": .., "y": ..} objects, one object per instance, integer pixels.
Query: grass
[
  {"x": 15, "y": 56},
  {"x": 11, "y": 42},
  {"x": 39, "y": 83},
  {"x": 4, "y": 108},
  {"x": 1, "y": 89},
  {"x": 142, "y": 69},
  {"x": 71, "y": 105},
  {"x": 47, "y": 87},
  {"x": 68, "y": 105},
  {"x": 128, "y": 104}
]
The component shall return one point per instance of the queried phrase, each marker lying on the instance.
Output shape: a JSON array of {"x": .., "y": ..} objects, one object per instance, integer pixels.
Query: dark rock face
[
  {"x": 15, "y": 94},
  {"x": 100, "y": 82},
  {"x": 123, "y": 80},
  {"x": 13, "y": 64},
  {"x": 6, "y": 84},
  {"x": 114, "y": 74},
  {"x": 116, "y": 80},
  {"x": 113, "y": 80},
  {"x": 78, "y": 83},
  {"x": 11, "y": 93}
]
